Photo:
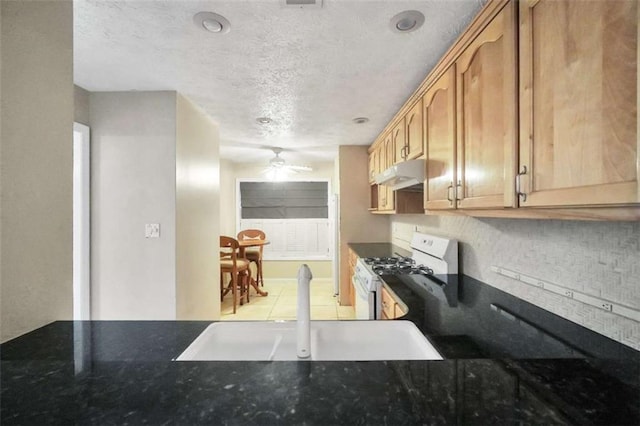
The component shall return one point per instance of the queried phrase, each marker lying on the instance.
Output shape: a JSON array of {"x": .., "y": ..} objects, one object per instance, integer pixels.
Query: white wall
[
  {"x": 133, "y": 183},
  {"x": 227, "y": 198},
  {"x": 197, "y": 208},
  {"x": 601, "y": 259},
  {"x": 36, "y": 164},
  {"x": 81, "y": 105}
]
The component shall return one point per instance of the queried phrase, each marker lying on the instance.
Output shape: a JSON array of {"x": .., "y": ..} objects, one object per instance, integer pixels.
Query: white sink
[{"x": 330, "y": 341}]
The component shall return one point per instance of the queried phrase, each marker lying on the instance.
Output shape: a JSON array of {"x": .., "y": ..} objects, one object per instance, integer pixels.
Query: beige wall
[
  {"x": 133, "y": 161},
  {"x": 197, "y": 208},
  {"x": 288, "y": 269},
  {"x": 36, "y": 169},
  {"x": 227, "y": 198},
  {"x": 229, "y": 172},
  {"x": 80, "y": 105},
  {"x": 357, "y": 225}
]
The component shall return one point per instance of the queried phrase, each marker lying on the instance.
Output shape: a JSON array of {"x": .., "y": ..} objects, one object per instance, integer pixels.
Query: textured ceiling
[{"x": 311, "y": 70}]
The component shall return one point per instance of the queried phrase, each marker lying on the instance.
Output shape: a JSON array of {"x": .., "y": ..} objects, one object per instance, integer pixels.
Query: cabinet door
[
  {"x": 398, "y": 311},
  {"x": 399, "y": 143},
  {"x": 440, "y": 136},
  {"x": 414, "y": 134},
  {"x": 579, "y": 104},
  {"x": 387, "y": 304},
  {"x": 372, "y": 166},
  {"x": 353, "y": 258},
  {"x": 383, "y": 164},
  {"x": 388, "y": 193},
  {"x": 486, "y": 113}
]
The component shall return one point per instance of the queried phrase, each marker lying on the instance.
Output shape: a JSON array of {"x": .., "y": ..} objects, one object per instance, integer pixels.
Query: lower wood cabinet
[
  {"x": 392, "y": 306},
  {"x": 353, "y": 258}
]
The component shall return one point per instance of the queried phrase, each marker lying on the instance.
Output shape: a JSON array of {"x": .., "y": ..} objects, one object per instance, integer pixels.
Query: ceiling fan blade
[{"x": 299, "y": 168}]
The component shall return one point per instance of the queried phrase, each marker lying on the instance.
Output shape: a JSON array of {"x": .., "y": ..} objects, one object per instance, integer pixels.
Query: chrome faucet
[{"x": 303, "y": 325}]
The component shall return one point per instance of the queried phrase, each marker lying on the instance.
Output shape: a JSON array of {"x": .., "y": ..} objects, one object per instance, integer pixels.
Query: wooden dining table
[{"x": 243, "y": 245}]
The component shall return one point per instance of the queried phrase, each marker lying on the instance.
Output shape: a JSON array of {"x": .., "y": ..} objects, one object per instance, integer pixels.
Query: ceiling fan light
[
  {"x": 277, "y": 174},
  {"x": 276, "y": 162}
]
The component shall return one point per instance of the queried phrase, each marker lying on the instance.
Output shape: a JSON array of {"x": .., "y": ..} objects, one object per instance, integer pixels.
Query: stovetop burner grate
[
  {"x": 401, "y": 269},
  {"x": 393, "y": 261}
]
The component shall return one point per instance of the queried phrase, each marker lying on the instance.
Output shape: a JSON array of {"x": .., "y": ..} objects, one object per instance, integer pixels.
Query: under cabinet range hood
[{"x": 403, "y": 175}]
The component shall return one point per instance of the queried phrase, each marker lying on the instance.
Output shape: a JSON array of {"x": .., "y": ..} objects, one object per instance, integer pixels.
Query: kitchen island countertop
[
  {"x": 122, "y": 372},
  {"x": 111, "y": 372}
]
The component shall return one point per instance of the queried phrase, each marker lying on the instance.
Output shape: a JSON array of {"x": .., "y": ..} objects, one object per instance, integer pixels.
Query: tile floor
[{"x": 281, "y": 303}]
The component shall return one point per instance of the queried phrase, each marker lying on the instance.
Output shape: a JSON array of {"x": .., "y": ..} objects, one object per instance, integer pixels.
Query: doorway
[{"x": 81, "y": 223}]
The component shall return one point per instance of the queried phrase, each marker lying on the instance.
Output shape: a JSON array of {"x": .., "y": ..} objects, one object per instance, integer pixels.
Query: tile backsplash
[{"x": 600, "y": 259}]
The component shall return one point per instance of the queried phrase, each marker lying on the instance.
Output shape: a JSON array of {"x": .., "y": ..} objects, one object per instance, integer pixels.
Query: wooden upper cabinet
[
  {"x": 579, "y": 102},
  {"x": 374, "y": 164},
  {"x": 382, "y": 164},
  {"x": 439, "y": 115},
  {"x": 486, "y": 115},
  {"x": 398, "y": 138},
  {"x": 386, "y": 156},
  {"x": 390, "y": 149},
  {"x": 414, "y": 141}
]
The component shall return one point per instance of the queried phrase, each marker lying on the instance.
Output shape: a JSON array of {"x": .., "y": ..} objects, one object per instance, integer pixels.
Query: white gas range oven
[{"x": 432, "y": 260}]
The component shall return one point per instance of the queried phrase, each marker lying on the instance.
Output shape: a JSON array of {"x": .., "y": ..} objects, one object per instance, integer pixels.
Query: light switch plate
[{"x": 152, "y": 230}]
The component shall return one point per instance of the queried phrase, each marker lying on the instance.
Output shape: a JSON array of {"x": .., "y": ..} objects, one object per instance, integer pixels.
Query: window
[{"x": 295, "y": 215}]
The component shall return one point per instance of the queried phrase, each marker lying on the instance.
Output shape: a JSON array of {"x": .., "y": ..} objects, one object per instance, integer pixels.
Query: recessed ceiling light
[
  {"x": 407, "y": 21},
  {"x": 360, "y": 120},
  {"x": 212, "y": 25},
  {"x": 263, "y": 120},
  {"x": 212, "y": 22}
]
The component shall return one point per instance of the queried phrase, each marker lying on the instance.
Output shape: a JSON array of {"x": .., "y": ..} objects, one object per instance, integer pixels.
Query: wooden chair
[
  {"x": 237, "y": 267},
  {"x": 254, "y": 254}
]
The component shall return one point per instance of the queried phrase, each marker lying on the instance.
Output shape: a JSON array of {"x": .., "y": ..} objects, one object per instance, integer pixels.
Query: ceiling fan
[{"x": 278, "y": 169}]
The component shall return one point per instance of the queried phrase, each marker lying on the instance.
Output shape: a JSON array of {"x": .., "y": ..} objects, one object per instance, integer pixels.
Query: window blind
[{"x": 284, "y": 200}]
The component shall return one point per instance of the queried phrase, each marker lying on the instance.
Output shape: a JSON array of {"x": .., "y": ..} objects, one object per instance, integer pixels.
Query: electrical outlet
[
  {"x": 152, "y": 230},
  {"x": 606, "y": 306},
  {"x": 568, "y": 293},
  {"x": 511, "y": 274}
]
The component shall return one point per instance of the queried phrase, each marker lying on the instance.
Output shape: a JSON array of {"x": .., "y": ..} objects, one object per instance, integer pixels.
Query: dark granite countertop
[{"x": 121, "y": 372}]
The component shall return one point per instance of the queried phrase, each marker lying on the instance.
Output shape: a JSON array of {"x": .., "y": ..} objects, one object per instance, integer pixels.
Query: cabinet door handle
[
  {"x": 449, "y": 189},
  {"x": 519, "y": 192},
  {"x": 458, "y": 190}
]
